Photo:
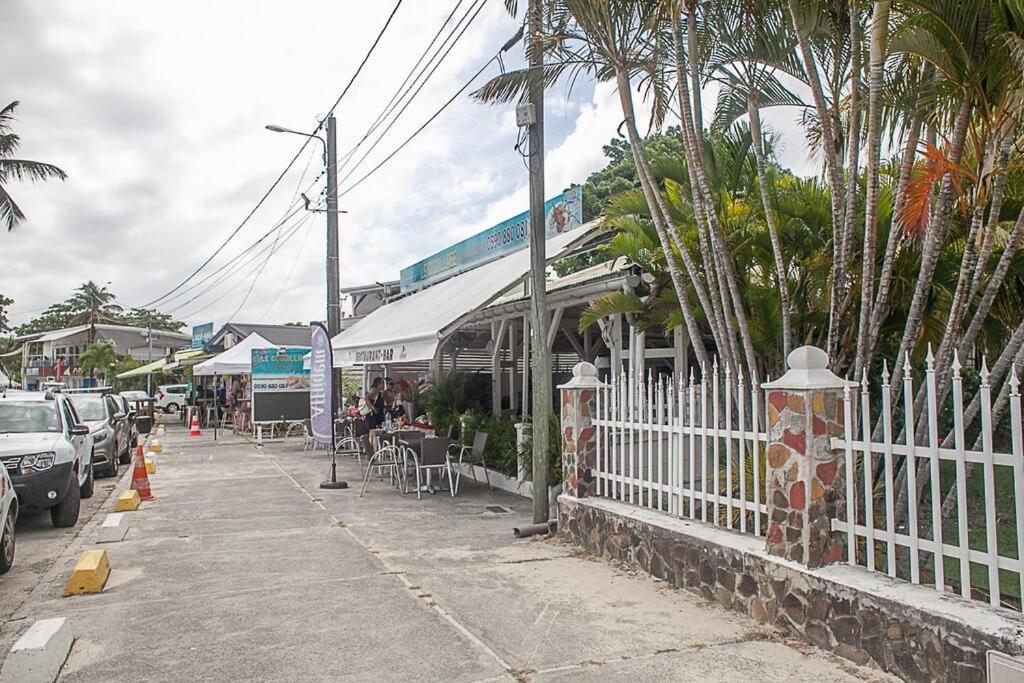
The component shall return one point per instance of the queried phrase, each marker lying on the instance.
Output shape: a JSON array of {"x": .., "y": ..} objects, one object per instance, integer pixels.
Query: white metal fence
[
  {"x": 689, "y": 450},
  {"x": 900, "y": 485},
  {"x": 697, "y": 450}
]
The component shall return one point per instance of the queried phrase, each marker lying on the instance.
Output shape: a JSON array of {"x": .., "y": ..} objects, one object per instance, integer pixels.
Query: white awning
[
  {"x": 409, "y": 329},
  {"x": 235, "y": 361}
]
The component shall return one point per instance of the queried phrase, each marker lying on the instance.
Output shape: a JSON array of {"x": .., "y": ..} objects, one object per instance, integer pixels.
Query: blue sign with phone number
[{"x": 561, "y": 213}]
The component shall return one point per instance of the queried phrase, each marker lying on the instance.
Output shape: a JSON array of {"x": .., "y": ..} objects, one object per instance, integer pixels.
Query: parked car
[
  {"x": 128, "y": 408},
  {"x": 47, "y": 451},
  {"x": 109, "y": 428},
  {"x": 171, "y": 397},
  {"x": 9, "y": 515}
]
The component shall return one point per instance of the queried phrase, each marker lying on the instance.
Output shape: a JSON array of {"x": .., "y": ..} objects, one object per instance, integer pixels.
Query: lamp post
[{"x": 333, "y": 278}]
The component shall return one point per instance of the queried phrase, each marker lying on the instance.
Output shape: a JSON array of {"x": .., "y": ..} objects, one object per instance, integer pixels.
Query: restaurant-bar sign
[{"x": 561, "y": 214}]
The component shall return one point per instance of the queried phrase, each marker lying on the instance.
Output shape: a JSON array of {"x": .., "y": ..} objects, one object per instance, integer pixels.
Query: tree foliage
[{"x": 92, "y": 304}]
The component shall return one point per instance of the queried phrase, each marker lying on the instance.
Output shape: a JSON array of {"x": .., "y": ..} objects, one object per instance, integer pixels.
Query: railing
[
  {"x": 689, "y": 450},
  {"x": 901, "y": 485}
]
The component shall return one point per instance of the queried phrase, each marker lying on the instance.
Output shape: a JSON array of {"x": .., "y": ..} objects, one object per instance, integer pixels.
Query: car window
[
  {"x": 90, "y": 407},
  {"x": 70, "y": 417},
  {"x": 28, "y": 416}
]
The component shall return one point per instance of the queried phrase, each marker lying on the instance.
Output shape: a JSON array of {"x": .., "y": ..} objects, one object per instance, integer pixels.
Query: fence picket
[
  {"x": 660, "y": 394},
  {"x": 728, "y": 446},
  {"x": 1018, "y": 469},
  {"x": 704, "y": 443},
  {"x": 991, "y": 540},
  {"x": 851, "y": 475},
  {"x": 716, "y": 417},
  {"x": 911, "y": 470},
  {"x": 755, "y": 455},
  {"x": 961, "y": 478},
  {"x": 741, "y": 401},
  {"x": 890, "y": 486},
  {"x": 693, "y": 446},
  {"x": 869, "y": 470},
  {"x": 936, "y": 484}
]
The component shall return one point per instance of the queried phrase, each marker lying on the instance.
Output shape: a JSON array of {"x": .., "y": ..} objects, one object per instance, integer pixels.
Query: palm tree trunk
[
  {"x": 773, "y": 233},
  {"x": 880, "y": 308},
  {"x": 998, "y": 194},
  {"x": 934, "y": 238},
  {"x": 994, "y": 284},
  {"x": 879, "y": 27},
  {"x": 694, "y": 61},
  {"x": 852, "y": 158},
  {"x": 650, "y": 194},
  {"x": 829, "y": 151},
  {"x": 725, "y": 338},
  {"x": 726, "y": 268}
]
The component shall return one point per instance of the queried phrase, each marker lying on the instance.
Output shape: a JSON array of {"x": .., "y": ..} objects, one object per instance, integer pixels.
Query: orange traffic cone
[
  {"x": 193, "y": 430},
  {"x": 140, "y": 480}
]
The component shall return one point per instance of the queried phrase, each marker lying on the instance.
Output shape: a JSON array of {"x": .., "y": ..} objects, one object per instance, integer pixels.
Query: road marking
[{"x": 400, "y": 575}]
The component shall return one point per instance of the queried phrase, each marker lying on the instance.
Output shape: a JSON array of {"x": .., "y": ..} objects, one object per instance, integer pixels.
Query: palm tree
[
  {"x": 98, "y": 358},
  {"x": 17, "y": 169},
  {"x": 95, "y": 304}
]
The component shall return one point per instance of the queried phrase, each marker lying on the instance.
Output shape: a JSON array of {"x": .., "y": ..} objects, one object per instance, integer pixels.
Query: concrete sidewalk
[{"x": 243, "y": 569}]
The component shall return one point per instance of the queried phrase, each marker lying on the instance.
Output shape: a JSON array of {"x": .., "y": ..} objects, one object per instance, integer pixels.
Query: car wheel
[
  {"x": 112, "y": 466},
  {"x": 126, "y": 457},
  {"x": 7, "y": 542},
  {"x": 65, "y": 513},
  {"x": 90, "y": 484},
  {"x": 171, "y": 408}
]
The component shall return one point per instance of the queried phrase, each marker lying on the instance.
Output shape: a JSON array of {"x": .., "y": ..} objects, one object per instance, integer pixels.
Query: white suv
[
  {"x": 171, "y": 397},
  {"x": 8, "y": 516},
  {"x": 47, "y": 452}
]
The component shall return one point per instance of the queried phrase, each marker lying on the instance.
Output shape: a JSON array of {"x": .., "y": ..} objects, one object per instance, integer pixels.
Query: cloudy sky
[{"x": 157, "y": 110}]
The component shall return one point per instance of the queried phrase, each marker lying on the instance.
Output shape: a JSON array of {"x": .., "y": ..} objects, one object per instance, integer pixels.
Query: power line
[
  {"x": 233, "y": 268},
  {"x": 225, "y": 293},
  {"x": 507, "y": 46},
  {"x": 478, "y": 7},
  {"x": 288, "y": 277},
  {"x": 277, "y": 180},
  {"x": 403, "y": 91}
]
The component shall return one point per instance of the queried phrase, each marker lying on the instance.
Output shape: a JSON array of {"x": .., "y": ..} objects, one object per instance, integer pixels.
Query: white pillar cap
[{"x": 808, "y": 369}]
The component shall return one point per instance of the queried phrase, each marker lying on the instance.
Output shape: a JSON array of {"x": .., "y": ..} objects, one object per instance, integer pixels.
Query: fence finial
[
  {"x": 885, "y": 373},
  {"x": 984, "y": 372}
]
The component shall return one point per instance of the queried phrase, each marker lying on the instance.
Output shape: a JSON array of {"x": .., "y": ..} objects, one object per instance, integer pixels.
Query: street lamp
[{"x": 333, "y": 277}]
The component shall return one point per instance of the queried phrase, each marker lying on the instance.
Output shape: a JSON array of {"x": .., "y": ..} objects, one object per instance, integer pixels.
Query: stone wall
[{"x": 911, "y": 631}]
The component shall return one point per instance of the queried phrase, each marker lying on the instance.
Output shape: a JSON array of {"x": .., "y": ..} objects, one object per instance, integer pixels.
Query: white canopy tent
[
  {"x": 410, "y": 329},
  {"x": 235, "y": 361}
]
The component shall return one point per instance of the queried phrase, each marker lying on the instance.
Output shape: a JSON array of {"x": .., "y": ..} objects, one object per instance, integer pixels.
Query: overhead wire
[
  {"x": 475, "y": 9},
  {"x": 507, "y": 46},
  {"x": 399, "y": 94},
  {"x": 284, "y": 172}
]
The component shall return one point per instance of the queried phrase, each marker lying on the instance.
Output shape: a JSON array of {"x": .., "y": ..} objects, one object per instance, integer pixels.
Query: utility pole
[
  {"x": 540, "y": 361},
  {"x": 333, "y": 277},
  {"x": 149, "y": 356}
]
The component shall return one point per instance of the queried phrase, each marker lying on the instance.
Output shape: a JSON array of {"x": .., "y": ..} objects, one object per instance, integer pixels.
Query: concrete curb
[{"x": 39, "y": 653}]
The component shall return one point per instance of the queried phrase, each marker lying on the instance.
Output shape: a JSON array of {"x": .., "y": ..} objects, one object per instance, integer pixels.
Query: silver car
[
  {"x": 47, "y": 452},
  {"x": 109, "y": 429}
]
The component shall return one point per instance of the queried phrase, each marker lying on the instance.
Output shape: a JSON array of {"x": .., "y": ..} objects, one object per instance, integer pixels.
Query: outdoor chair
[
  {"x": 308, "y": 442},
  {"x": 388, "y": 457},
  {"x": 348, "y": 442},
  {"x": 428, "y": 455},
  {"x": 462, "y": 454}
]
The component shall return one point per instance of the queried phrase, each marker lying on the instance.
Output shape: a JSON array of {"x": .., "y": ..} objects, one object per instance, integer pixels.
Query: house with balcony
[{"x": 45, "y": 355}]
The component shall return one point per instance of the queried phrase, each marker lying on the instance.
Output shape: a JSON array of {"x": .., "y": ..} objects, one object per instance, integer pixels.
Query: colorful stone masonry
[
  {"x": 579, "y": 442},
  {"x": 805, "y": 477}
]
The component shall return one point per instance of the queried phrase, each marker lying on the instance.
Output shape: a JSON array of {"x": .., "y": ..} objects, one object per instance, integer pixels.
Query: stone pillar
[
  {"x": 579, "y": 442},
  {"x": 805, "y": 477}
]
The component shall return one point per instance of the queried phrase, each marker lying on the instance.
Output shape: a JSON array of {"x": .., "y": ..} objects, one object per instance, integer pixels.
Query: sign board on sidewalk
[
  {"x": 201, "y": 334},
  {"x": 280, "y": 385},
  {"x": 561, "y": 214},
  {"x": 320, "y": 385}
]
